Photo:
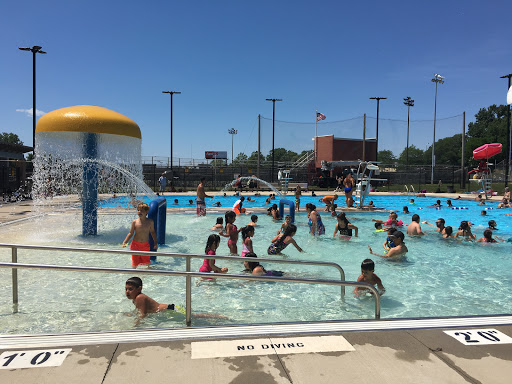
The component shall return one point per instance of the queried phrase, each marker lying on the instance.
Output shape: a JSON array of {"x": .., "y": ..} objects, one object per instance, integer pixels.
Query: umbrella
[{"x": 487, "y": 150}]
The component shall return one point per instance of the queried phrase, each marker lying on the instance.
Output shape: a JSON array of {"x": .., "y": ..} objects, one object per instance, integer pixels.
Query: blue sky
[{"x": 227, "y": 57}]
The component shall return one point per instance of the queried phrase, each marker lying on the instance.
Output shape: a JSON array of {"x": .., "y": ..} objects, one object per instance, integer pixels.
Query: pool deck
[{"x": 389, "y": 351}]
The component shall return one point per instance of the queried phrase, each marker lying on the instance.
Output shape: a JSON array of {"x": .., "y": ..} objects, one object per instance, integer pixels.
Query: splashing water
[{"x": 249, "y": 178}]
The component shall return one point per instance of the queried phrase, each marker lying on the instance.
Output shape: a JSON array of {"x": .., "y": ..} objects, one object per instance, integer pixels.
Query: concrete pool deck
[{"x": 407, "y": 355}]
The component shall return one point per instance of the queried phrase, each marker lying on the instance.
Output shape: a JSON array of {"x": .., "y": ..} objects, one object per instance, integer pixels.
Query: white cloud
[{"x": 29, "y": 112}]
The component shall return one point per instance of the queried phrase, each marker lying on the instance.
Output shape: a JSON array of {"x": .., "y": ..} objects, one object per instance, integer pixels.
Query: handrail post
[
  {"x": 14, "y": 274},
  {"x": 188, "y": 300}
]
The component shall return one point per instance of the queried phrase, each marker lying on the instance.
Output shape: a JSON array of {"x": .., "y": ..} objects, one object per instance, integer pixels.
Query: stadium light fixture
[
  {"x": 35, "y": 49},
  {"x": 273, "y": 133},
  {"x": 377, "y": 130},
  {"x": 171, "y": 93},
  {"x": 410, "y": 103},
  {"x": 438, "y": 79},
  {"x": 509, "y": 133},
  {"x": 232, "y": 132}
]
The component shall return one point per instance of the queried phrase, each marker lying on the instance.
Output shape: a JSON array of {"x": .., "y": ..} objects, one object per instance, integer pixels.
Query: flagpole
[{"x": 316, "y": 122}]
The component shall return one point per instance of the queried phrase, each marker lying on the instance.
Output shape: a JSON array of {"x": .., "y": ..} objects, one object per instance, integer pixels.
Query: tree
[
  {"x": 254, "y": 157},
  {"x": 416, "y": 156},
  {"x": 282, "y": 155},
  {"x": 490, "y": 127},
  {"x": 10, "y": 138},
  {"x": 386, "y": 157},
  {"x": 241, "y": 158}
]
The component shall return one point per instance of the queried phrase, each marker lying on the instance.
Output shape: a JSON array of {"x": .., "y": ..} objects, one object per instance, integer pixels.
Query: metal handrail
[
  {"x": 188, "y": 256},
  {"x": 189, "y": 275}
]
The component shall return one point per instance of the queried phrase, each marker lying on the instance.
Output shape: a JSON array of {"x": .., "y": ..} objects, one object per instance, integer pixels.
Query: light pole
[
  {"x": 232, "y": 132},
  {"x": 410, "y": 103},
  {"x": 35, "y": 49},
  {"x": 509, "y": 136},
  {"x": 377, "y": 131},
  {"x": 437, "y": 79},
  {"x": 171, "y": 93},
  {"x": 273, "y": 132}
]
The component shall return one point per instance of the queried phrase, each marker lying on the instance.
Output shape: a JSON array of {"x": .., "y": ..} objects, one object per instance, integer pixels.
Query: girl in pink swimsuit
[
  {"x": 247, "y": 233},
  {"x": 231, "y": 232},
  {"x": 209, "y": 264}
]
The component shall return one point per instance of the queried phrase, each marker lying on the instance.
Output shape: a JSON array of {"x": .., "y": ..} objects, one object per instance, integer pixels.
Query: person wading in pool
[
  {"x": 201, "y": 195},
  {"x": 398, "y": 250}
]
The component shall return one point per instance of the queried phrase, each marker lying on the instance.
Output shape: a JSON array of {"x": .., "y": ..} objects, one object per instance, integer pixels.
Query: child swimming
[
  {"x": 218, "y": 225},
  {"x": 209, "y": 264},
  {"x": 254, "y": 220},
  {"x": 257, "y": 269},
  {"x": 247, "y": 233},
  {"x": 344, "y": 227},
  {"x": 143, "y": 303},
  {"x": 287, "y": 221},
  {"x": 368, "y": 276},
  {"x": 140, "y": 229},
  {"x": 282, "y": 240},
  {"x": 231, "y": 232}
]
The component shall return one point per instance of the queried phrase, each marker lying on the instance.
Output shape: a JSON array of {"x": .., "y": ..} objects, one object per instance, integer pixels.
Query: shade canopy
[{"x": 487, "y": 150}]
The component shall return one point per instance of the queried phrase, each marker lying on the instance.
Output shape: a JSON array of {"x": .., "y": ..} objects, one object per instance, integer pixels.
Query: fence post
[
  {"x": 15, "y": 280},
  {"x": 188, "y": 303}
]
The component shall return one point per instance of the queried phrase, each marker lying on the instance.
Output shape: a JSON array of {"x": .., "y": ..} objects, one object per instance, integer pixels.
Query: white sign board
[
  {"x": 480, "y": 336},
  {"x": 269, "y": 346},
  {"x": 32, "y": 359},
  {"x": 509, "y": 96}
]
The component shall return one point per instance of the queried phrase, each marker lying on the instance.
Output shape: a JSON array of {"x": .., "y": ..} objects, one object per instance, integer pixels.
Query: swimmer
[
  {"x": 268, "y": 199},
  {"x": 287, "y": 222},
  {"x": 254, "y": 220},
  {"x": 449, "y": 203},
  {"x": 448, "y": 231},
  {"x": 483, "y": 213},
  {"x": 465, "y": 231},
  {"x": 313, "y": 193},
  {"x": 141, "y": 229},
  {"x": 439, "y": 225},
  {"x": 414, "y": 229},
  {"x": 316, "y": 226},
  {"x": 333, "y": 209},
  {"x": 388, "y": 244},
  {"x": 212, "y": 244},
  {"x": 257, "y": 269},
  {"x": 398, "y": 250},
  {"x": 282, "y": 240},
  {"x": 329, "y": 201},
  {"x": 405, "y": 209},
  {"x": 368, "y": 276},
  {"x": 250, "y": 199},
  {"x": 231, "y": 232},
  {"x": 175, "y": 202},
  {"x": 478, "y": 198},
  {"x": 298, "y": 194},
  {"x": 458, "y": 198},
  {"x": 344, "y": 227},
  {"x": 487, "y": 237},
  {"x": 218, "y": 225},
  {"x": 247, "y": 233},
  {"x": 378, "y": 227},
  {"x": 504, "y": 203},
  {"x": 216, "y": 204},
  {"x": 143, "y": 303},
  {"x": 190, "y": 202},
  {"x": 436, "y": 205},
  {"x": 274, "y": 212},
  {"x": 412, "y": 201},
  {"x": 492, "y": 225},
  {"x": 391, "y": 221}
]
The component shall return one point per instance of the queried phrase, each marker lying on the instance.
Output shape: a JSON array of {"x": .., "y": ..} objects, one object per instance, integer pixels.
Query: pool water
[{"x": 437, "y": 278}]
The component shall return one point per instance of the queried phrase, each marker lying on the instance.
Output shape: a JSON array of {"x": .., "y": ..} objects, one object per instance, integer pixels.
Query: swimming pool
[{"x": 438, "y": 277}]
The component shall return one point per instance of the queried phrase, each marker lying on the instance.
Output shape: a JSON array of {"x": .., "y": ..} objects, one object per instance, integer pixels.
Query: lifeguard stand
[{"x": 284, "y": 178}]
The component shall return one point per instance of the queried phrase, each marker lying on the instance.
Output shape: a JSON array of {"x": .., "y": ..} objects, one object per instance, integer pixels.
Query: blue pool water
[{"x": 437, "y": 278}]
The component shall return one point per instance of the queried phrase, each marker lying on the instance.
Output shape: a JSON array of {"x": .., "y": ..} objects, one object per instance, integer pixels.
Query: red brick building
[{"x": 332, "y": 148}]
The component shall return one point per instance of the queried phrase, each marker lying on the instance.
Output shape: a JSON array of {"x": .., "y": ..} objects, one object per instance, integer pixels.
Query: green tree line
[{"x": 490, "y": 126}]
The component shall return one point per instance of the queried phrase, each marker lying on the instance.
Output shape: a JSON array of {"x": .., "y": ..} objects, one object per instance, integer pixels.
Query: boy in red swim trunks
[{"x": 140, "y": 230}]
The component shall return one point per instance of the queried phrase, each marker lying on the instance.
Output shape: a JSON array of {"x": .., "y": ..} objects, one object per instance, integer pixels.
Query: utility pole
[
  {"x": 437, "y": 79},
  {"x": 410, "y": 103},
  {"x": 509, "y": 136}
]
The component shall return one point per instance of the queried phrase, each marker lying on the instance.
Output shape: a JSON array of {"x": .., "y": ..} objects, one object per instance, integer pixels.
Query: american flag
[{"x": 320, "y": 116}]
